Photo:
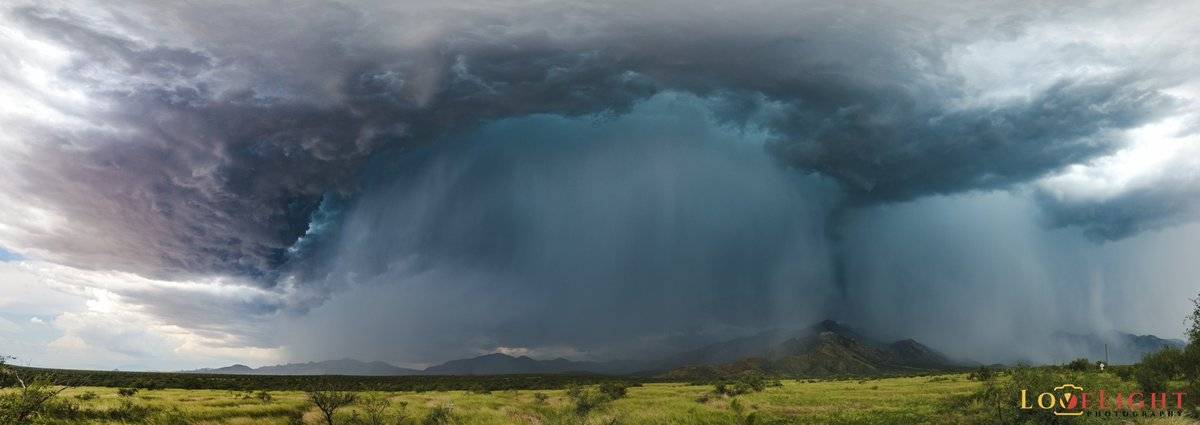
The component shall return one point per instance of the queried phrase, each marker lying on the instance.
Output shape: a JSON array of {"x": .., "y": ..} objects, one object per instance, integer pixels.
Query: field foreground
[{"x": 937, "y": 399}]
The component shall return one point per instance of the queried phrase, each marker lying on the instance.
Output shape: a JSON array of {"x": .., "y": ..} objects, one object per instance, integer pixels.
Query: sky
[{"x": 195, "y": 184}]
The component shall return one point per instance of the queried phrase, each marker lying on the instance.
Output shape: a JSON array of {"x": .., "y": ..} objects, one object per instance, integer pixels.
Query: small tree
[
  {"x": 22, "y": 406},
  {"x": 329, "y": 402},
  {"x": 1193, "y": 322},
  {"x": 375, "y": 407},
  {"x": 1188, "y": 362}
]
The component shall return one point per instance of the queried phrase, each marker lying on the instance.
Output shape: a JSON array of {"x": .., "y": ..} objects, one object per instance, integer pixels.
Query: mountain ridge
[
  {"x": 824, "y": 348},
  {"x": 1123, "y": 348},
  {"x": 343, "y": 366}
]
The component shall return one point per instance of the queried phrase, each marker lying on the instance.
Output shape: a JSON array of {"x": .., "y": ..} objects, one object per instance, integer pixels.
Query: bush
[
  {"x": 1079, "y": 365},
  {"x": 587, "y": 400},
  {"x": 263, "y": 396},
  {"x": 30, "y": 401},
  {"x": 614, "y": 390},
  {"x": 375, "y": 406},
  {"x": 87, "y": 396},
  {"x": 1157, "y": 368},
  {"x": 440, "y": 415},
  {"x": 746, "y": 383},
  {"x": 61, "y": 410},
  {"x": 128, "y": 411},
  {"x": 1124, "y": 373},
  {"x": 540, "y": 398},
  {"x": 127, "y": 392},
  {"x": 981, "y": 374}
]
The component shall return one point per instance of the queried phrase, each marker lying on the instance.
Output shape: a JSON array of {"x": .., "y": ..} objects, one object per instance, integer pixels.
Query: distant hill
[
  {"x": 1123, "y": 348},
  {"x": 237, "y": 369},
  {"x": 490, "y": 364},
  {"x": 328, "y": 367},
  {"x": 502, "y": 364},
  {"x": 825, "y": 349}
]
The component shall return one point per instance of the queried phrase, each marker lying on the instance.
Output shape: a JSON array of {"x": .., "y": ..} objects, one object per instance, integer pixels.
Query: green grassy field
[{"x": 938, "y": 399}]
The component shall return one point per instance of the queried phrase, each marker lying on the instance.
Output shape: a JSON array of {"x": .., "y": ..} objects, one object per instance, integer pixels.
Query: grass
[{"x": 907, "y": 400}]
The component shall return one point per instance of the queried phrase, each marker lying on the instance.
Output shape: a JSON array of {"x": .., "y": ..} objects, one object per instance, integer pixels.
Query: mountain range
[
  {"x": 328, "y": 367},
  {"x": 823, "y": 349},
  {"x": 1122, "y": 348}
]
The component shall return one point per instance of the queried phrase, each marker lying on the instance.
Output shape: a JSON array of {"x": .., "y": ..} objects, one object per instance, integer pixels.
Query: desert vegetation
[{"x": 945, "y": 399}]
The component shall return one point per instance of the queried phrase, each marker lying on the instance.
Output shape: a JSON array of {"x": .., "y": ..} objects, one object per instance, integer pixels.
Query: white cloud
[{"x": 104, "y": 320}]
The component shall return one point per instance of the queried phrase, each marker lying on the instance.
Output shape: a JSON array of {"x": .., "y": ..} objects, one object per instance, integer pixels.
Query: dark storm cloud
[
  {"x": 886, "y": 153},
  {"x": 212, "y": 153},
  {"x": 314, "y": 146},
  {"x": 1173, "y": 200},
  {"x": 199, "y": 181}
]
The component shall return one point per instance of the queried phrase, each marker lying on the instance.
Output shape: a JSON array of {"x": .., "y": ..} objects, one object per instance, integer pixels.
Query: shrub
[
  {"x": 980, "y": 374},
  {"x": 745, "y": 383},
  {"x": 440, "y": 415},
  {"x": 87, "y": 396},
  {"x": 1079, "y": 365},
  {"x": 263, "y": 396},
  {"x": 127, "y": 392},
  {"x": 1123, "y": 373},
  {"x": 374, "y": 407},
  {"x": 1157, "y": 368},
  {"x": 61, "y": 410},
  {"x": 614, "y": 390},
  {"x": 540, "y": 398},
  {"x": 587, "y": 399},
  {"x": 31, "y": 400},
  {"x": 729, "y": 390}
]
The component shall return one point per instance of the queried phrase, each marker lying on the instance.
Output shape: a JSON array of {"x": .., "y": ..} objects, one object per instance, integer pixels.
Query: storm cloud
[{"x": 694, "y": 165}]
